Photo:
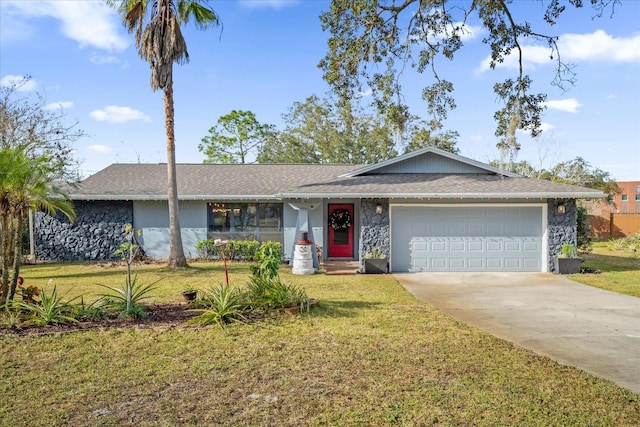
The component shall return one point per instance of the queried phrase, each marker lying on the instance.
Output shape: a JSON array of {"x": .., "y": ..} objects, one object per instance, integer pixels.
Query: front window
[
  {"x": 245, "y": 221},
  {"x": 624, "y": 197}
]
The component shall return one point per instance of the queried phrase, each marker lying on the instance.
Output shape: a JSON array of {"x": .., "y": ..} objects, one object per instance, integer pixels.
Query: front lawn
[
  {"x": 369, "y": 354},
  {"x": 620, "y": 269}
]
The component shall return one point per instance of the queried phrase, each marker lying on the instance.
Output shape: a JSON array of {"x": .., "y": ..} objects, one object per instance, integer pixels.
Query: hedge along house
[{"x": 428, "y": 210}]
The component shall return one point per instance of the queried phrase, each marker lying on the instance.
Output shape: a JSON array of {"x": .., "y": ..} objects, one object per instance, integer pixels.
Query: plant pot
[
  {"x": 567, "y": 265},
  {"x": 189, "y": 295},
  {"x": 376, "y": 265}
]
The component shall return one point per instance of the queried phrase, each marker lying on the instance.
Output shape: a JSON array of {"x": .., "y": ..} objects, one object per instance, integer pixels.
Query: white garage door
[{"x": 466, "y": 238}]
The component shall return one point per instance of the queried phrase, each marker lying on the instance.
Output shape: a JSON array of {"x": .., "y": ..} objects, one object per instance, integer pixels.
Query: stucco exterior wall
[
  {"x": 290, "y": 221},
  {"x": 96, "y": 233},
  {"x": 152, "y": 219}
]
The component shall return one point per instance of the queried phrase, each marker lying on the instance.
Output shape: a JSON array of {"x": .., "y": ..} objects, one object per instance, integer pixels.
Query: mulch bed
[{"x": 164, "y": 316}]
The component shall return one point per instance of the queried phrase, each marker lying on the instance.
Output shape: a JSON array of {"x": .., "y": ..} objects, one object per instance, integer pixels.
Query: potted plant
[
  {"x": 189, "y": 294},
  {"x": 376, "y": 262},
  {"x": 567, "y": 261}
]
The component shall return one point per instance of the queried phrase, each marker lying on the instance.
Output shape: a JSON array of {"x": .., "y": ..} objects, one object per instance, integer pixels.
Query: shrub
[
  {"x": 268, "y": 258},
  {"x": 583, "y": 238},
  {"x": 568, "y": 251},
  {"x": 239, "y": 250},
  {"x": 207, "y": 249},
  {"x": 243, "y": 250}
]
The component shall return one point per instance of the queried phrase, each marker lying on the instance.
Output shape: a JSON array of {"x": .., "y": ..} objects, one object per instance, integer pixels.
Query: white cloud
[
  {"x": 103, "y": 59},
  {"x": 545, "y": 127},
  {"x": 597, "y": 46},
  {"x": 60, "y": 105},
  {"x": 100, "y": 149},
  {"x": 476, "y": 138},
  {"x": 470, "y": 31},
  {"x": 117, "y": 114},
  {"x": 569, "y": 105},
  {"x": 21, "y": 83},
  {"x": 90, "y": 23},
  {"x": 364, "y": 94},
  {"x": 600, "y": 46},
  {"x": 265, "y": 4}
]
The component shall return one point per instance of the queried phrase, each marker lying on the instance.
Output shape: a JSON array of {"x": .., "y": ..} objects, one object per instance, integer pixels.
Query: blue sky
[{"x": 265, "y": 58}]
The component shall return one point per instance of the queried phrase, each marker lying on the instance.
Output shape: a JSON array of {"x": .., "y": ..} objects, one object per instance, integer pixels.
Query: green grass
[
  {"x": 620, "y": 270},
  {"x": 369, "y": 354}
]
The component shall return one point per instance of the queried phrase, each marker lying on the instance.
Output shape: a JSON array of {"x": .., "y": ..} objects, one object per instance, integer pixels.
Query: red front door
[{"x": 340, "y": 223}]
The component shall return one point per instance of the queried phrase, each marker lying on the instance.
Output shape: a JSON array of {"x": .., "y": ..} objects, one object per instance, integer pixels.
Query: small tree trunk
[
  {"x": 5, "y": 254},
  {"x": 17, "y": 256},
  {"x": 176, "y": 251}
]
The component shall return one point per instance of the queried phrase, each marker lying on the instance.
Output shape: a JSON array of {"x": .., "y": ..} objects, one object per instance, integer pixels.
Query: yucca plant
[
  {"x": 51, "y": 309},
  {"x": 224, "y": 303},
  {"x": 126, "y": 300},
  {"x": 616, "y": 244},
  {"x": 285, "y": 295},
  {"x": 10, "y": 318},
  {"x": 273, "y": 293}
]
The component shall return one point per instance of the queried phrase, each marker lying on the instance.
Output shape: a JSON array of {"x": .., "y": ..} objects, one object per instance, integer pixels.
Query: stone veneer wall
[
  {"x": 374, "y": 228},
  {"x": 563, "y": 228},
  {"x": 96, "y": 233}
]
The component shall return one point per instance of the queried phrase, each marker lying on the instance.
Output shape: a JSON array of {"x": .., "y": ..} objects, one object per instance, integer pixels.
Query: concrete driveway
[{"x": 586, "y": 327}]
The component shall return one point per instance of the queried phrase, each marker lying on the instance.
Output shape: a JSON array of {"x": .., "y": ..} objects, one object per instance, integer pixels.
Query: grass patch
[
  {"x": 369, "y": 354},
  {"x": 620, "y": 270}
]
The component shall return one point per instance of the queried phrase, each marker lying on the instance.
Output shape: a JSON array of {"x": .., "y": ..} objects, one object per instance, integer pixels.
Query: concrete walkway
[{"x": 586, "y": 327}]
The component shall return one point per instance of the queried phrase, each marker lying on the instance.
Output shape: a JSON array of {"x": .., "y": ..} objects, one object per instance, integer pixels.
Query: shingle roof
[{"x": 275, "y": 181}]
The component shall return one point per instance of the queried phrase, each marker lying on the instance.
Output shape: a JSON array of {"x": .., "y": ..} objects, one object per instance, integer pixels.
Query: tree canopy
[
  {"x": 25, "y": 121},
  {"x": 575, "y": 172},
  {"x": 235, "y": 137},
  {"x": 373, "y": 43},
  {"x": 26, "y": 182},
  {"x": 321, "y": 131}
]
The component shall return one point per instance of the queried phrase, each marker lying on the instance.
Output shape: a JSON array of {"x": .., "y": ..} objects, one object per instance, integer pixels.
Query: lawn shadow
[
  {"x": 611, "y": 262},
  {"x": 334, "y": 308}
]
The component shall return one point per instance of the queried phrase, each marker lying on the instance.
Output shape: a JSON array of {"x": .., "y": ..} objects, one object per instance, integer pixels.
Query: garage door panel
[
  {"x": 429, "y": 238},
  {"x": 475, "y": 246},
  {"x": 457, "y": 246},
  {"x": 475, "y": 263},
  {"x": 493, "y": 263},
  {"x": 457, "y": 263}
]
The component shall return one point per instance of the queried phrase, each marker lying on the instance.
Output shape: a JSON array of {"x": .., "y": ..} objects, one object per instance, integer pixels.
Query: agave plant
[
  {"x": 51, "y": 309},
  {"x": 224, "y": 304},
  {"x": 273, "y": 293},
  {"x": 126, "y": 300}
]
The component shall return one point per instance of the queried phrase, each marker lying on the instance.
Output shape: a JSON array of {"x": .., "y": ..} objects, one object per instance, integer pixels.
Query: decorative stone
[{"x": 99, "y": 227}]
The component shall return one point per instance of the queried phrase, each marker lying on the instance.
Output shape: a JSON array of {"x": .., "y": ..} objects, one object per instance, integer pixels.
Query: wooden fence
[{"x": 610, "y": 225}]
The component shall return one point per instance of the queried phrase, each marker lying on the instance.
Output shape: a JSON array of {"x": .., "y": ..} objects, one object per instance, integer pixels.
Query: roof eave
[
  {"x": 113, "y": 197},
  {"x": 522, "y": 195}
]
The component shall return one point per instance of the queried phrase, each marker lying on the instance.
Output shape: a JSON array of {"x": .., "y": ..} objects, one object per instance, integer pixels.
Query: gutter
[{"x": 537, "y": 195}]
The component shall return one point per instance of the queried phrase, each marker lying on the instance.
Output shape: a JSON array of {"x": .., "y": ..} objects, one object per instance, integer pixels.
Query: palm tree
[
  {"x": 26, "y": 183},
  {"x": 156, "y": 24}
]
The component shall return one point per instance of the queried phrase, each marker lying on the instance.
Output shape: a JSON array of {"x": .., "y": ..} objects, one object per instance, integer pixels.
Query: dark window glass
[
  {"x": 245, "y": 221},
  {"x": 270, "y": 216}
]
